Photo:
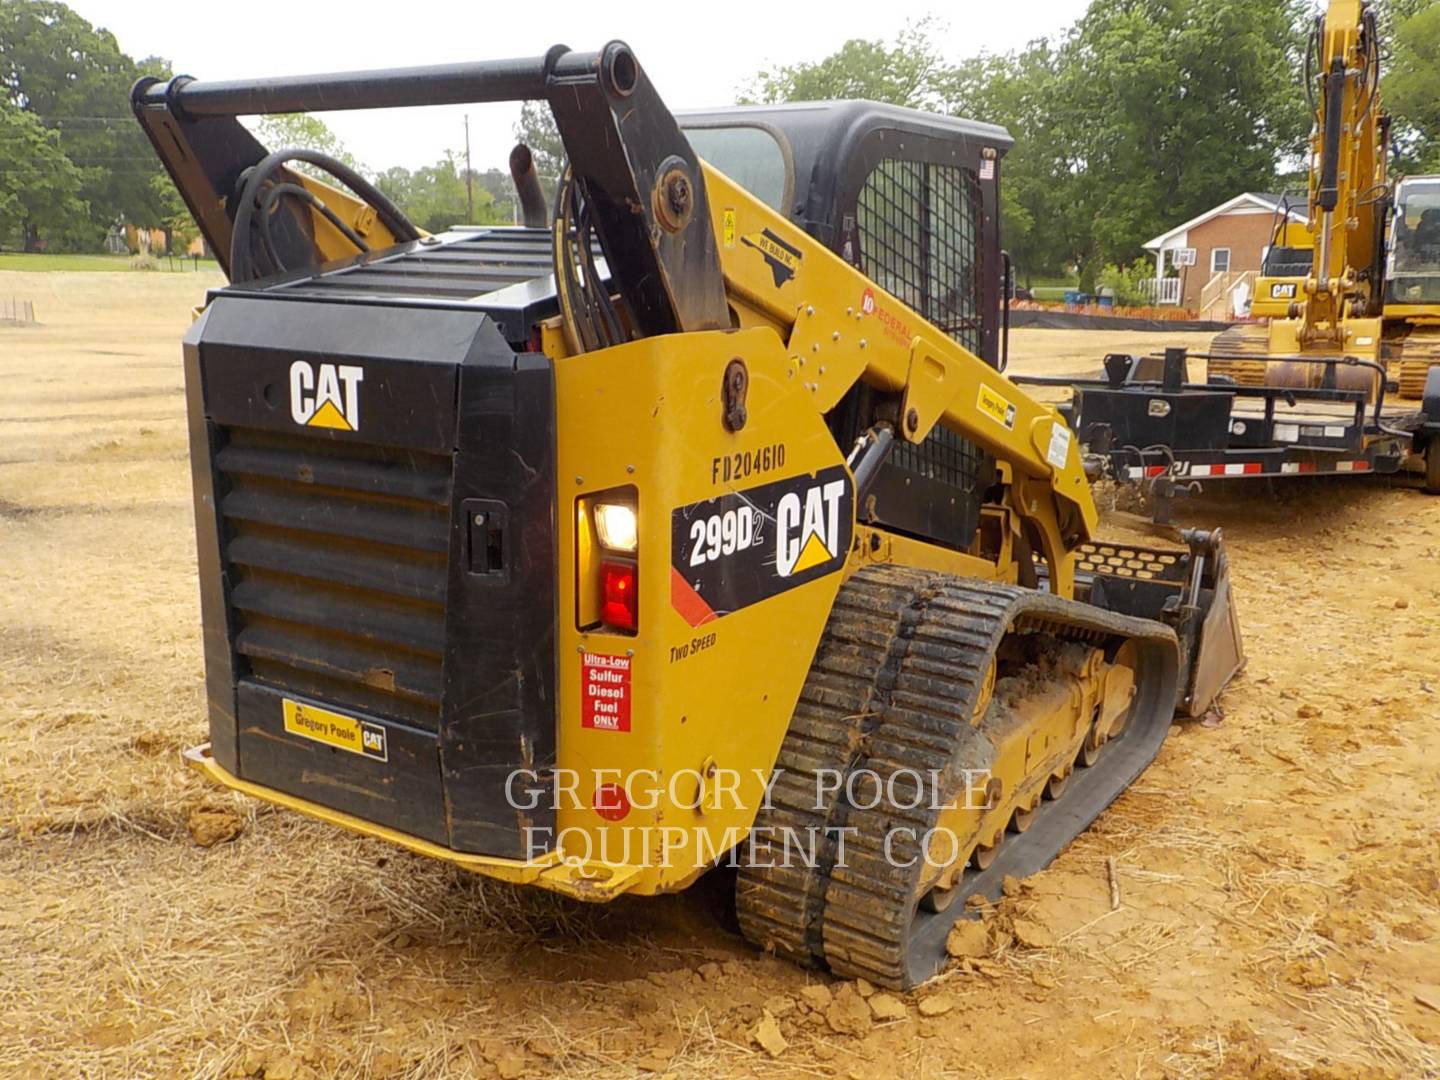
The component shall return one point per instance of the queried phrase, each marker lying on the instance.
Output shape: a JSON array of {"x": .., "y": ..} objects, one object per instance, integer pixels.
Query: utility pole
[{"x": 469, "y": 178}]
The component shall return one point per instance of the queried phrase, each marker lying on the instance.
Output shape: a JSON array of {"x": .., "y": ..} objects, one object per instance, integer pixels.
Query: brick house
[{"x": 1208, "y": 264}]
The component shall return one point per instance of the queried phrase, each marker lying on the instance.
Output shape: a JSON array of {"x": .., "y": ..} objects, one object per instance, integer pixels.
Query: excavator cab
[
  {"x": 1287, "y": 262},
  {"x": 1412, "y": 276}
]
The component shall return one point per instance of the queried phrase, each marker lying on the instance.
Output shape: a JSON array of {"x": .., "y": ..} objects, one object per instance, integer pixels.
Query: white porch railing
[{"x": 1164, "y": 291}]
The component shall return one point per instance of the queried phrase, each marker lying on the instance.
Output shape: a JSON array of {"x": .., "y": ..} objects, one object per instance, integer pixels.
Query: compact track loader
[{"x": 690, "y": 522}]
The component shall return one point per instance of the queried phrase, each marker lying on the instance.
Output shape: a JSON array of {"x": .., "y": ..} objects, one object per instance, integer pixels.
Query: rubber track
[
  {"x": 891, "y": 693},
  {"x": 855, "y": 668}
]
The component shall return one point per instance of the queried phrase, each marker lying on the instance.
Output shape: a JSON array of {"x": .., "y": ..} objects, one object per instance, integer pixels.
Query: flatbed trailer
[{"x": 1144, "y": 422}]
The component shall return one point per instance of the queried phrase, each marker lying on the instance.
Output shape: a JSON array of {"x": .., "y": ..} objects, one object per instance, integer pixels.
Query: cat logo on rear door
[
  {"x": 326, "y": 398},
  {"x": 783, "y": 259}
]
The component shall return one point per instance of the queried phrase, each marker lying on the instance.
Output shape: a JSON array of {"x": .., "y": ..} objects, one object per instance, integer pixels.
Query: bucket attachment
[
  {"x": 1188, "y": 590},
  {"x": 1216, "y": 652}
]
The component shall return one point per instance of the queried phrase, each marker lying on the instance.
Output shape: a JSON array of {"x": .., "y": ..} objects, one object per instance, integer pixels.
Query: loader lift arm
[{"x": 657, "y": 211}]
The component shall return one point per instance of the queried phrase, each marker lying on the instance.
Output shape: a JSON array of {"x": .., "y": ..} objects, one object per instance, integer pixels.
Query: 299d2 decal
[{"x": 743, "y": 547}]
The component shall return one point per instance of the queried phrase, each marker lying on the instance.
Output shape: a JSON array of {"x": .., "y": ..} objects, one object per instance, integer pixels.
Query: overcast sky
[{"x": 692, "y": 62}]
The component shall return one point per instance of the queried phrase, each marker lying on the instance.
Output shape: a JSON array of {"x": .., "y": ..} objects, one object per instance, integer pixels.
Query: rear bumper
[{"x": 582, "y": 880}]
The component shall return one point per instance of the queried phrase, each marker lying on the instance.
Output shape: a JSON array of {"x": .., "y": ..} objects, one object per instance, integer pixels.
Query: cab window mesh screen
[
  {"x": 919, "y": 228},
  {"x": 919, "y": 232},
  {"x": 943, "y": 456}
]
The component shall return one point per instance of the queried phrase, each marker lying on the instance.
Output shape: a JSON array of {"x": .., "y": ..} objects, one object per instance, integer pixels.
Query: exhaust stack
[{"x": 527, "y": 187}]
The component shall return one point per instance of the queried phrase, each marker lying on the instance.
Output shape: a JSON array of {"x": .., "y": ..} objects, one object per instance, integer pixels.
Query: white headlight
[{"x": 616, "y": 525}]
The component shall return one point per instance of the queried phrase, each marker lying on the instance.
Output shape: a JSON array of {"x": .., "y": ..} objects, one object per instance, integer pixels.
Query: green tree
[
  {"x": 907, "y": 71},
  {"x": 434, "y": 197},
  {"x": 1177, "y": 106},
  {"x": 180, "y": 228},
  {"x": 284, "y": 131},
  {"x": 74, "y": 80},
  {"x": 536, "y": 129},
  {"x": 1143, "y": 113},
  {"x": 1411, "y": 90},
  {"x": 501, "y": 189},
  {"x": 1022, "y": 91},
  {"x": 39, "y": 187}
]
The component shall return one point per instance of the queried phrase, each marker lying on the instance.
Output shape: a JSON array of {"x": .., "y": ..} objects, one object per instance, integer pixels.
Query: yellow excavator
[
  {"x": 691, "y": 522},
  {"x": 1361, "y": 280}
]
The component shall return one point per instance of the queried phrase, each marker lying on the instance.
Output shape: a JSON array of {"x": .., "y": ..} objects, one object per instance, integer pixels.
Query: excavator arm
[{"x": 1337, "y": 305}]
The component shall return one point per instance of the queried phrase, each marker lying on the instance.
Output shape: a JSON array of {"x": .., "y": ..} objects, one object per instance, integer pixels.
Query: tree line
[
  {"x": 1141, "y": 115},
  {"x": 74, "y": 163},
  {"x": 72, "y": 158}
]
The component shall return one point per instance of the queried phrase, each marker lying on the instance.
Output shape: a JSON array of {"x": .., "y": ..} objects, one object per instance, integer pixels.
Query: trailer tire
[{"x": 1432, "y": 467}]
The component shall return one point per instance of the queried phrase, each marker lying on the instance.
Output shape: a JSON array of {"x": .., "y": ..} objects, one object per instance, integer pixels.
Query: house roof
[{"x": 1295, "y": 207}]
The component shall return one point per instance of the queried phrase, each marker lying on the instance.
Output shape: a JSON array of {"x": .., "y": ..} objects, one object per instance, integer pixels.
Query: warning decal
[
  {"x": 605, "y": 692},
  {"x": 1059, "y": 450}
]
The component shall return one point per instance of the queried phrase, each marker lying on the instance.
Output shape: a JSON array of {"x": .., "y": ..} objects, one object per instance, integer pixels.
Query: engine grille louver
[{"x": 335, "y": 555}]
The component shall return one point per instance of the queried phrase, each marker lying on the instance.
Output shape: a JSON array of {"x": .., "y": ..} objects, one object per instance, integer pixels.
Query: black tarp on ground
[{"x": 1079, "y": 320}]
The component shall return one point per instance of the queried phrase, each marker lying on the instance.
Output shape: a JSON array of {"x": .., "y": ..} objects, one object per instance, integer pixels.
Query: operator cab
[
  {"x": 911, "y": 199},
  {"x": 1413, "y": 274}
]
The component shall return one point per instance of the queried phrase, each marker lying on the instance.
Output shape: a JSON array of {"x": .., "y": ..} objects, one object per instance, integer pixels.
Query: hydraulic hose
[{"x": 253, "y": 197}]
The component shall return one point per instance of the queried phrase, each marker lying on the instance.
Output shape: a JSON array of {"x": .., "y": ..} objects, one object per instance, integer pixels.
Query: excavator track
[
  {"x": 1237, "y": 343},
  {"x": 1409, "y": 358},
  {"x": 900, "y": 690}
]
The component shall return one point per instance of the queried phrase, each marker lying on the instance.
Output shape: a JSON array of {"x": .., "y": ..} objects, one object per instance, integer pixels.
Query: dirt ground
[{"x": 1278, "y": 869}]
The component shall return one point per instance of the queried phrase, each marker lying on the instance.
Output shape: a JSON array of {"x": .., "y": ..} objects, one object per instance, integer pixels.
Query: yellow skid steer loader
[{"x": 691, "y": 521}]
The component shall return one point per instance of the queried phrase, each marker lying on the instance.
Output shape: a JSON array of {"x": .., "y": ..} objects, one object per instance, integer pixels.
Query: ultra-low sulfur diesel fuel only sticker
[
  {"x": 743, "y": 547},
  {"x": 605, "y": 691}
]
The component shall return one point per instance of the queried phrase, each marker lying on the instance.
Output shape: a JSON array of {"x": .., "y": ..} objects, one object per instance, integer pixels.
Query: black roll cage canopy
[
  {"x": 626, "y": 151},
  {"x": 831, "y": 148}
]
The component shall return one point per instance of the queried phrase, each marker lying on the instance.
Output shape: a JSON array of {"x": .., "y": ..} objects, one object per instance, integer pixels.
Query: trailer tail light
[{"x": 619, "y": 597}]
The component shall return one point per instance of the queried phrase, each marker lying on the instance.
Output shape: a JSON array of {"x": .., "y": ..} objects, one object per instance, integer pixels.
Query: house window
[{"x": 1219, "y": 260}]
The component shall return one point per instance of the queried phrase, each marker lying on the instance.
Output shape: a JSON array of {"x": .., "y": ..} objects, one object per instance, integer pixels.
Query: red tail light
[{"x": 619, "y": 598}]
